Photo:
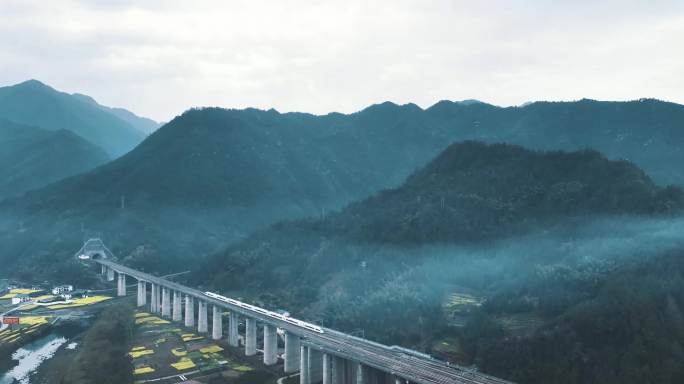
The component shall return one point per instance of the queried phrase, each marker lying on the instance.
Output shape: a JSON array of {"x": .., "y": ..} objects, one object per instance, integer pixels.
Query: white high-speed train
[{"x": 288, "y": 319}]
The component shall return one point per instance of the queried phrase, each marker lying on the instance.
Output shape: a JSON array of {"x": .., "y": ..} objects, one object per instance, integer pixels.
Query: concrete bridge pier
[
  {"x": 202, "y": 324},
  {"x": 153, "y": 299},
  {"x": 110, "y": 274},
  {"x": 158, "y": 297},
  {"x": 311, "y": 366},
  {"x": 376, "y": 377},
  {"x": 365, "y": 375},
  {"x": 355, "y": 372},
  {"x": 103, "y": 270},
  {"x": 327, "y": 369},
  {"x": 339, "y": 370},
  {"x": 217, "y": 323},
  {"x": 270, "y": 345},
  {"x": 250, "y": 336},
  {"x": 166, "y": 303},
  {"x": 142, "y": 293},
  {"x": 399, "y": 380},
  {"x": 315, "y": 365},
  {"x": 189, "y": 311},
  {"x": 292, "y": 350},
  {"x": 304, "y": 377},
  {"x": 233, "y": 335},
  {"x": 121, "y": 285},
  {"x": 177, "y": 314}
]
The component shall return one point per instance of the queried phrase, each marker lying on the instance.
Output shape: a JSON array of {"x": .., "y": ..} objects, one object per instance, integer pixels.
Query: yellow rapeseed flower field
[
  {"x": 23, "y": 291},
  {"x": 183, "y": 364},
  {"x": 32, "y": 320},
  {"x": 143, "y": 370},
  {"x": 144, "y": 352},
  {"x": 81, "y": 302},
  {"x": 211, "y": 349}
]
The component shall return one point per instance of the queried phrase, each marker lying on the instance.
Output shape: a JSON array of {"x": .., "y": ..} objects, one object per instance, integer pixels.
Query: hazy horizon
[{"x": 320, "y": 57}]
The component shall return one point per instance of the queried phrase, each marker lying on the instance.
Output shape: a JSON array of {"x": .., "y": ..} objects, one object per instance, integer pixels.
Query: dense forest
[
  {"x": 36, "y": 104},
  {"x": 32, "y": 157},
  {"x": 472, "y": 192},
  {"x": 210, "y": 177},
  {"x": 539, "y": 234},
  {"x": 624, "y": 327}
]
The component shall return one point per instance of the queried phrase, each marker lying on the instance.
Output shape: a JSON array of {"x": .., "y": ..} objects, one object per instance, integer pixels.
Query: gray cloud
[{"x": 159, "y": 58}]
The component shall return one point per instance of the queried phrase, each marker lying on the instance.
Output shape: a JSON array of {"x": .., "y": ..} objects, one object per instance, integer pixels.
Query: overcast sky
[{"x": 161, "y": 57}]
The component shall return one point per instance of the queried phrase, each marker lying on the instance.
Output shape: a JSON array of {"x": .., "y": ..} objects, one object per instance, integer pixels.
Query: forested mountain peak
[
  {"x": 35, "y": 103},
  {"x": 472, "y": 191},
  {"x": 32, "y": 157}
]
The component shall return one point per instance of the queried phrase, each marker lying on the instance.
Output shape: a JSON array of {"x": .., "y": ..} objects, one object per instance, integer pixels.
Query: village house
[
  {"x": 62, "y": 289},
  {"x": 21, "y": 298}
]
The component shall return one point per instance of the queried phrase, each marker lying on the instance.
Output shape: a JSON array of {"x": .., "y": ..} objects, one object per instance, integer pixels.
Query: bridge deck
[{"x": 413, "y": 368}]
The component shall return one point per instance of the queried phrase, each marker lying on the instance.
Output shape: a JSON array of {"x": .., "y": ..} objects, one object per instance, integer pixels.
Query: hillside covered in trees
[
  {"x": 540, "y": 234},
  {"x": 36, "y": 104},
  {"x": 470, "y": 193},
  {"x": 32, "y": 157},
  {"x": 212, "y": 176}
]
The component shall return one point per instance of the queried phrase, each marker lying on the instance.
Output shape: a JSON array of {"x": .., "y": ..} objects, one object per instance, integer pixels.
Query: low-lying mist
[{"x": 398, "y": 293}]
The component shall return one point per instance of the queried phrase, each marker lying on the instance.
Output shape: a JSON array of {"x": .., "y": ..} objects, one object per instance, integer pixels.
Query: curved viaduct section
[{"x": 320, "y": 355}]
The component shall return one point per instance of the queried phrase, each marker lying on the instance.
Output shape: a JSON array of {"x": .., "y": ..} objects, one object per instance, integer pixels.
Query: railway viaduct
[{"x": 320, "y": 355}]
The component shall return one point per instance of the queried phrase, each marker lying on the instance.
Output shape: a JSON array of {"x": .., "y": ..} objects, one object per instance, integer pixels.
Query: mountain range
[
  {"x": 211, "y": 176},
  {"x": 531, "y": 244},
  {"x": 32, "y": 157},
  {"x": 370, "y": 220},
  {"x": 36, "y": 104},
  {"x": 469, "y": 194}
]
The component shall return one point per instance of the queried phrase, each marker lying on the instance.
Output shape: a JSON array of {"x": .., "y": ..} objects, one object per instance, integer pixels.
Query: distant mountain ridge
[
  {"x": 143, "y": 124},
  {"x": 211, "y": 176},
  {"x": 472, "y": 191},
  {"x": 647, "y": 132},
  {"x": 32, "y": 157},
  {"x": 36, "y": 104}
]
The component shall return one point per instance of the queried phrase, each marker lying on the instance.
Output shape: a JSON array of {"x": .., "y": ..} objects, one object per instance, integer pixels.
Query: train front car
[{"x": 265, "y": 312}]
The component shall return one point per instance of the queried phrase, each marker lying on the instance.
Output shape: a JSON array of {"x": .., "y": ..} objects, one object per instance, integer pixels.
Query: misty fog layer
[{"x": 592, "y": 247}]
